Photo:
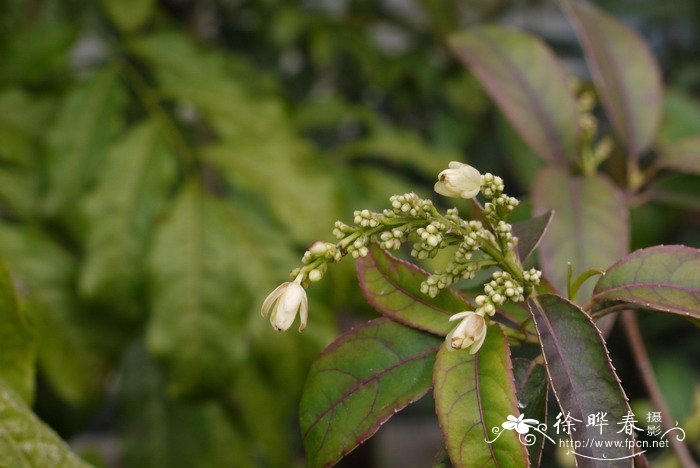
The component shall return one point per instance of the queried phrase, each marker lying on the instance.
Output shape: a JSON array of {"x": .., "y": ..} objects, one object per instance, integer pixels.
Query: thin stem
[
  {"x": 150, "y": 102},
  {"x": 598, "y": 314},
  {"x": 636, "y": 342}
]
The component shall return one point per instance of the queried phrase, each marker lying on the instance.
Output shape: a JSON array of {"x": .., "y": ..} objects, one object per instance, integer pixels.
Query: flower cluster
[{"x": 413, "y": 219}]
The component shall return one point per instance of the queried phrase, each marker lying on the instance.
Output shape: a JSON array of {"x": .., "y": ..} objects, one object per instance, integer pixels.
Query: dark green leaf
[
  {"x": 680, "y": 190},
  {"x": 26, "y": 441},
  {"x": 625, "y": 73},
  {"x": 589, "y": 228},
  {"x": 359, "y": 382},
  {"x": 529, "y": 85},
  {"x": 22, "y": 122},
  {"x": 129, "y": 15},
  {"x": 681, "y": 117},
  {"x": 531, "y": 387},
  {"x": 530, "y": 233},
  {"x": 400, "y": 146},
  {"x": 88, "y": 120},
  {"x": 392, "y": 287},
  {"x": 665, "y": 278},
  {"x": 73, "y": 348},
  {"x": 583, "y": 379},
  {"x": 18, "y": 357},
  {"x": 475, "y": 393},
  {"x": 133, "y": 189},
  {"x": 158, "y": 431},
  {"x": 199, "y": 307},
  {"x": 252, "y": 152}
]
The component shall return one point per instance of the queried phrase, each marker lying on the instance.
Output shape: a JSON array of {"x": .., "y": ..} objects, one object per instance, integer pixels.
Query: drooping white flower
[
  {"x": 459, "y": 181},
  {"x": 284, "y": 303},
  {"x": 470, "y": 332},
  {"x": 520, "y": 424}
]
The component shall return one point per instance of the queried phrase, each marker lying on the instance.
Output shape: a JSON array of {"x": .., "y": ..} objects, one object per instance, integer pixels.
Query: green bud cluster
[
  {"x": 413, "y": 219},
  {"x": 430, "y": 239}
]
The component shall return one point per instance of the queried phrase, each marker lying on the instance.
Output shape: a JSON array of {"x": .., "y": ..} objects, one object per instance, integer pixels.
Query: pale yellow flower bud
[
  {"x": 284, "y": 303},
  {"x": 459, "y": 181},
  {"x": 470, "y": 332}
]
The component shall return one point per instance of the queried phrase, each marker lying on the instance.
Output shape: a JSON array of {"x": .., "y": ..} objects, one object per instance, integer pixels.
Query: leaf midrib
[{"x": 362, "y": 383}]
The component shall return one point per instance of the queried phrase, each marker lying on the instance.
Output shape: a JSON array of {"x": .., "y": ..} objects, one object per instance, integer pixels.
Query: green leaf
[
  {"x": 682, "y": 155},
  {"x": 23, "y": 120},
  {"x": 129, "y": 15},
  {"x": 304, "y": 199},
  {"x": 590, "y": 225},
  {"x": 680, "y": 190},
  {"x": 89, "y": 118},
  {"x": 199, "y": 307},
  {"x": 400, "y": 146},
  {"x": 624, "y": 71},
  {"x": 392, "y": 287},
  {"x": 37, "y": 53},
  {"x": 73, "y": 348},
  {"x": 583, "y": 379},
  {"x": 252, "y": 394},
  {"x": 133, "y": 189},
  {"x": 359, "y": 382},
  {"x": 251, "y": 152},
  {"x": 665, "y": 278},
  {"x": 18, "y": 357},
  {"x": 529, "y": 85},
  {"x": 474, "y": 393},
  {"x": 681, "y": 117},
  {"x": 26, "y": 441},
  {"x": 530, "y": 233},
  {"x": 158, "y": 431},
  {"x": 531, "y": 387}
]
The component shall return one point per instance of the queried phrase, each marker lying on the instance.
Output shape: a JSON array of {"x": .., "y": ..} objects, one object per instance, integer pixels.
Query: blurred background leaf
[{"x": 164, "y": 164}]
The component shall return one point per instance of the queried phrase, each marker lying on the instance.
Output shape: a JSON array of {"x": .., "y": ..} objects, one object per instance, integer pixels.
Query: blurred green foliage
[{"x": 162, "y": 162}]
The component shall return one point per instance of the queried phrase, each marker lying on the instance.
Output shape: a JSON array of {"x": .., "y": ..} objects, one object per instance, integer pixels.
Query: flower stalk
[{"x": 416, "y": 221}]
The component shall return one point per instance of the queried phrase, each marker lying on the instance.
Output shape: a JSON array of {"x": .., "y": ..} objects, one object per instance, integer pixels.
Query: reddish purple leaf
[
  {"x": 665, "y": 278},
  {"x": 583, "y": 380},
  {"x": 392, "y": 286},
  {"x": 522, "y": 75},
  {"x": 624, "y": 71}
]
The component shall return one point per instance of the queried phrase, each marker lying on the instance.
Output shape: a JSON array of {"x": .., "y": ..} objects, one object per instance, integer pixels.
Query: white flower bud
[
  {"x": 470, "y": 332},
  {"x": 318, "y": 249},
  {"x": 315, "y": 275},
  {"x": 460, "y": 180},
  {"x": 284, "y": 303}
]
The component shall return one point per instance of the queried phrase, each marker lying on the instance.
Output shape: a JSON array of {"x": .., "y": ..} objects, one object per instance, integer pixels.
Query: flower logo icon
[{"x": 519, "y": 424}]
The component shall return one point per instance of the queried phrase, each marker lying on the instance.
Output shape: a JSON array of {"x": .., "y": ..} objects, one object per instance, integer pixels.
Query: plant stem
[
  {"x": 149, "y": 100},
  {"x": 639, "y": 352}
]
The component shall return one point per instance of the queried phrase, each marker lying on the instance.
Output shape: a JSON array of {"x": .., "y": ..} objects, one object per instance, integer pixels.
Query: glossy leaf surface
[
  {"x": 569, "y": 338},
  {"x": 530, "y": 233},
  {"x": 359, "y": 382},
  {"x": 527, "y": 82},
  {"x": 475, "y": 393},
  {"x": 590, "y": 227},
  {"x": 665, "y": 278},
  {"x": 531, "y": 387},
  {"x": 392, "y": 286}
]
